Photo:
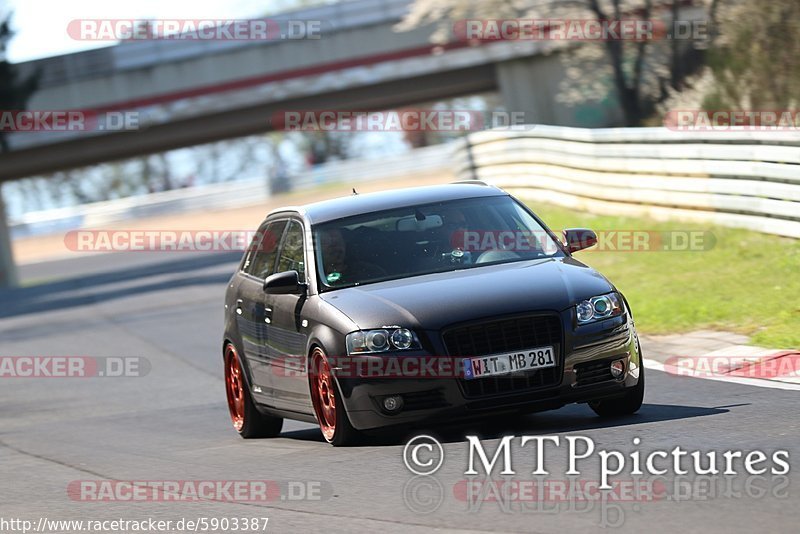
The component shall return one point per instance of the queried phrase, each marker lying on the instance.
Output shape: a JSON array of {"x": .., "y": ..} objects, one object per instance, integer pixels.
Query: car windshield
[{"x": 425, "y": 239}]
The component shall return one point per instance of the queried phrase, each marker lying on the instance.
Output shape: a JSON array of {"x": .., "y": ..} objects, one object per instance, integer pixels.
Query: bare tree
[
  {"x": 639, "y": 72},
  {"x": 756, "y": 62}
]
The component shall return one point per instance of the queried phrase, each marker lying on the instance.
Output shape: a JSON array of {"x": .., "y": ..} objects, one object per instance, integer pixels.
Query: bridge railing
[
  {"x": 735, "y": 178},
  {"x": 135, "y": 54}
]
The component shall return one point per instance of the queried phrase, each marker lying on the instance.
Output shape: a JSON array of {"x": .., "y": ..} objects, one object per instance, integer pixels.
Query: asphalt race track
[{"x": 172, "y": 424}]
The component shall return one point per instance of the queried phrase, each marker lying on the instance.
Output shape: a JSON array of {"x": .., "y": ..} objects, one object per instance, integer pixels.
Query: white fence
[
  {"x": 742, "y": 179},
  {"x": 231, "y": 194}
]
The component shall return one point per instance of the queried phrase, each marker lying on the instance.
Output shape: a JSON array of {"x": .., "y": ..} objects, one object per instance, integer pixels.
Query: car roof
[{"x": 339, "y": 208}]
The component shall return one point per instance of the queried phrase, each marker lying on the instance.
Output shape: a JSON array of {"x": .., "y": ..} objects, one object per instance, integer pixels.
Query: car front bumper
[{"x": 432, "y": 398}]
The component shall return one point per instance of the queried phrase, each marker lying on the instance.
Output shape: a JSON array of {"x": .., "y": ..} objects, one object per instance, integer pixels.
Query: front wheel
[
  {"x": 327, "y": 401},
  {"x": 247, "y": 420},
  {"x": 630, "y": 402},
  {"x": 626, "y": 405}
]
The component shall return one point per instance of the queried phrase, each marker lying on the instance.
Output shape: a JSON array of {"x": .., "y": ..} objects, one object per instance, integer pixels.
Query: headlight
[
  {"x": 382, "y": 340},
  {"x": 402, "y": 338},
  {"x": 598, "y": 308}
]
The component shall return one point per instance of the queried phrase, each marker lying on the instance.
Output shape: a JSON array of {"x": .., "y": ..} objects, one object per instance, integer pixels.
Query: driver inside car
[{"x": 338, "y": 267}]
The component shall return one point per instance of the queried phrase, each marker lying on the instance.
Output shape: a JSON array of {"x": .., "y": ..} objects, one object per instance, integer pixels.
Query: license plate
[{"x": 506, "y": 363}]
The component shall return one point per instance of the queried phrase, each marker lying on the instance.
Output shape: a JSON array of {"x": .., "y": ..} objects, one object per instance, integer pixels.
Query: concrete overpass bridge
[{"x": 192, "y": 92}]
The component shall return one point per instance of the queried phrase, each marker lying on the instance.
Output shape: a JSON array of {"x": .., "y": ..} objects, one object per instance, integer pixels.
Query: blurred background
[{"x": 199, "y": 134}]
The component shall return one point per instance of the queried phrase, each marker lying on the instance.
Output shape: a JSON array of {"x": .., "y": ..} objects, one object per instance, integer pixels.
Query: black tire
[
  {"x": 259, "y": 425},
  {"x": 328, "y": 407},
  {"x": 247, "y": 420},
  {"x": 346, "y": 435},
  {"x": 629, "y": 403}
]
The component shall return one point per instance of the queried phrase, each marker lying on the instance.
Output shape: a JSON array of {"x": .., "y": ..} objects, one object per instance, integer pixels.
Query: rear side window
[
  {"x": 264, "y": 250},
  {"x": 292, "y": 257}
]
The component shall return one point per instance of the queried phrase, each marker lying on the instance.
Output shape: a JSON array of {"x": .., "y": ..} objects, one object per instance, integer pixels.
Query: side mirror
[
  {"x": 285, "y": 283},
  {"x": 576, "y": 239}
]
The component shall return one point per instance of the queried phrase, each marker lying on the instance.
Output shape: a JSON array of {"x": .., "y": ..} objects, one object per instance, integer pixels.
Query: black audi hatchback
[{"x": 422, "y": 304}]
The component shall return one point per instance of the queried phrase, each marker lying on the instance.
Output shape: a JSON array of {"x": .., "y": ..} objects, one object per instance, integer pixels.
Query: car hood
[{"x": 433, "y": 301}]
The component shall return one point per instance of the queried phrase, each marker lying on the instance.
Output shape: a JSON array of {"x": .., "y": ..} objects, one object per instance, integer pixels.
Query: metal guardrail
[
  {"x": 229, "y": 194},
  {"x": 742, "y": 179}
]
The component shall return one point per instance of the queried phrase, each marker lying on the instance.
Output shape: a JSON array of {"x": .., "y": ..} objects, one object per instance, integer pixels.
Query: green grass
[{"x": 747, "y": 282}]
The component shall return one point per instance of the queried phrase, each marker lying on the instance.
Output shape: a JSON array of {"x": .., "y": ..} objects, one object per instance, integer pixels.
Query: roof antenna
[{"x": 354, "y": 191}]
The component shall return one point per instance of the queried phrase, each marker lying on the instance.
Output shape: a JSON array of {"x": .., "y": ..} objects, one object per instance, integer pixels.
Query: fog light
[
  {"x": 393, "y": 403},
  {"x": 617, "y": 368}
]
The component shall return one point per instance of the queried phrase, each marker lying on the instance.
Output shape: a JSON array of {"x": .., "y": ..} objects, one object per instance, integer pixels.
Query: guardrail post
[{"x": 8, "y": 271}]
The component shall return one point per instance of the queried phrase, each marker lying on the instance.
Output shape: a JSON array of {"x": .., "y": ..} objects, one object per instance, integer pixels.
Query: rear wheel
[
  {"x": 247, "y": 420},
  {"x": 327, "y": 401}
]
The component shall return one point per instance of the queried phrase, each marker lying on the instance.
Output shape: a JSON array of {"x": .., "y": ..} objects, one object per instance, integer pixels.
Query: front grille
[
  {"x": 507, "y": 335},
  {"x": 593, "y": 372}
]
